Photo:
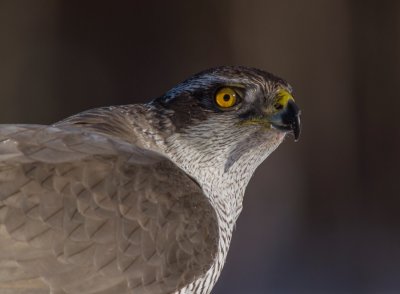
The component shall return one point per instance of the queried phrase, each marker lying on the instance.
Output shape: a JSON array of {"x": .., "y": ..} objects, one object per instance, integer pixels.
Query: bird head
[{"x": 231, "y": 115}]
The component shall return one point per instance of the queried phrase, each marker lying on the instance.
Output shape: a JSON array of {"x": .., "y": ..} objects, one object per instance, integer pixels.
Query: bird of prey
[{"x": 138, "y": 198}]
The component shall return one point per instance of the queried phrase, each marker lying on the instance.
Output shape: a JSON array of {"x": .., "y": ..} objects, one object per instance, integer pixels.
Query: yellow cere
[
  {"x": 225, "y": 98},
  {"x": 282, "y": 98}
]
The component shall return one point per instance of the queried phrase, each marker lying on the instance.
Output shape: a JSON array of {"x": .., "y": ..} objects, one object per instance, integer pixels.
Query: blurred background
[{"x": 321, "y": 215}]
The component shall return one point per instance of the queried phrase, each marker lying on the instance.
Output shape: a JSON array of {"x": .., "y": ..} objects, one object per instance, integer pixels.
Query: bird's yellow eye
[{"x": 226, "y": 97}]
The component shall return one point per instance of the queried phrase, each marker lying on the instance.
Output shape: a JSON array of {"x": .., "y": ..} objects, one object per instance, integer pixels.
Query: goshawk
[{"x": 137, "y": 198}]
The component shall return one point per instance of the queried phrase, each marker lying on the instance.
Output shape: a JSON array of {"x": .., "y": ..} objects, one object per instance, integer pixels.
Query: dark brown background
[{"x": 321, "y": 215}]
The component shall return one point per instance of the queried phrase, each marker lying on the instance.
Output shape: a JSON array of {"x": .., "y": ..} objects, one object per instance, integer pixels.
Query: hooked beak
[{"x": 287, "y": 118}]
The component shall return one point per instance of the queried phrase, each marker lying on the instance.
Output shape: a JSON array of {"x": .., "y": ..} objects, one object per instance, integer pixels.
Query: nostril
[{"x": 278, "y": 106}]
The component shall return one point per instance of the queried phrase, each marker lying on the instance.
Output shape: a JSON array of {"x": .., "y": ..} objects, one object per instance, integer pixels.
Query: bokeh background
[{"x": 321, "y": 215}]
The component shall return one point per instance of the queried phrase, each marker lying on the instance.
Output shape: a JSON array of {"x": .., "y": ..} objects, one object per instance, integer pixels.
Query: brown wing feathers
[{"x": 90, "y": 218}]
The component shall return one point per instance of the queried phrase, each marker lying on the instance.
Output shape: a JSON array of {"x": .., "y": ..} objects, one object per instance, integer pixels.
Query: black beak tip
[
  {"x": 292, "y": 118},
  {"x": 295, "y": 126}
]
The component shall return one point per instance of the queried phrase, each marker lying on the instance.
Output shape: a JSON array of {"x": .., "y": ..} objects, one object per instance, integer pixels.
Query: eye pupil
[{"x": 227, "y": 97}]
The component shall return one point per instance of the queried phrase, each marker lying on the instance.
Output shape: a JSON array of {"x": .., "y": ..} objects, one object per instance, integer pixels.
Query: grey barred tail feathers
[{"x": 137, "y": 198}]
